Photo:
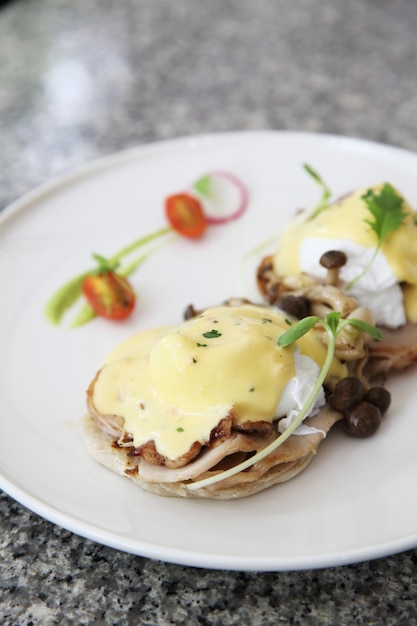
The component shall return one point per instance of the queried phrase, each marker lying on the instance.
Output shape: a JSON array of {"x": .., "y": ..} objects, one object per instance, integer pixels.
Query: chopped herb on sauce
[
  {"x": 180, "y": 429},
  {"x": 201, "y": 345},
  {"x": 212, "y": 334}
]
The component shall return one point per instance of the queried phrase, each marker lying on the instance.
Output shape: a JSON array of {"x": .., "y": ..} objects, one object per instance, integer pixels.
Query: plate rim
[
  {"x": 193, "y": 559},
  {"x": 100, "y": 162}
]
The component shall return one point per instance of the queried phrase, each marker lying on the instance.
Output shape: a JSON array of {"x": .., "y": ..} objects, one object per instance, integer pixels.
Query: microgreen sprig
[
  {"x": 333, "y": 324},
  {"x": 304, "y": 216},
  {"x": 388, "y": 215},
  {"x": 323, "y": 203}
]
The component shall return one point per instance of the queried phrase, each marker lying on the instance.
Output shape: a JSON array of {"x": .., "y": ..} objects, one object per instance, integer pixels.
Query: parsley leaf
[
  {"x": 387, "y": 211},
  {"x": 386, "y": 208}
]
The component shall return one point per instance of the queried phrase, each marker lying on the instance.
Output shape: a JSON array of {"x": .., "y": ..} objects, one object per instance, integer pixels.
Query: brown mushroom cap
[{"x": 333, "y": 259}]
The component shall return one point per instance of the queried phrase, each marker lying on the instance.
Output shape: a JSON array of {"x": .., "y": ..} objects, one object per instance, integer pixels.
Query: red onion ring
[{"x": 242, "y": 204}]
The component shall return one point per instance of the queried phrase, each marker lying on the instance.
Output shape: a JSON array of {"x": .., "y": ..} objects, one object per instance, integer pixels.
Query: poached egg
[
  {"x": 389, "y": 287},
  {"x": 174, "y": 384}
]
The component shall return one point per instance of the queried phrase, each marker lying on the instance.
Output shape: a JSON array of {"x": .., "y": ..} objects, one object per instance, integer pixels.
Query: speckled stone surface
[{"x": 83, "y": 78}]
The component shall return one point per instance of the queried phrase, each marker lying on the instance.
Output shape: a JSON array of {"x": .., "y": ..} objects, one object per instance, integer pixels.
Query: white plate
[{"x": 356, "y": 501}]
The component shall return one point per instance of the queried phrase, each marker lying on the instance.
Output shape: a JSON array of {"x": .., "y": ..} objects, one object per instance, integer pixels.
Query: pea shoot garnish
[
  {"x": 388, "y": 214},
  {"x": 323, "y": 203},
  {"x": 333, "y": 325}
]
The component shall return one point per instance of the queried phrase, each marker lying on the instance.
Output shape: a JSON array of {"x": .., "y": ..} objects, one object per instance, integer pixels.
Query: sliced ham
[
  {"x": 281, "y": 465},
  {"x": 207, "y": 459},
  {"x": 396, "y": 351}
]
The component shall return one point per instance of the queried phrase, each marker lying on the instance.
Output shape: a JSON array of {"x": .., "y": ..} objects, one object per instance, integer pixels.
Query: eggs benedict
[
  {"x": 365, "y": 246},
  {"x": 171, "y": 406}
]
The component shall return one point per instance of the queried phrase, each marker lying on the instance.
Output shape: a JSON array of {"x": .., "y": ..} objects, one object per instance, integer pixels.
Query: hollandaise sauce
[{"x": 174, "y": 384}]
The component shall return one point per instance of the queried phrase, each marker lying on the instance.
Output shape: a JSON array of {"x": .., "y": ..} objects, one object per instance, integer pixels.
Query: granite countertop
[{"x": 84, "y": 78}]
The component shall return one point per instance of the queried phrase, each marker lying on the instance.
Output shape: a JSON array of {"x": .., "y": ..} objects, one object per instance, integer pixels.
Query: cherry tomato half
[
  {"x": 110, "y": 295},
  {"x": 186, "y": 215}
]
